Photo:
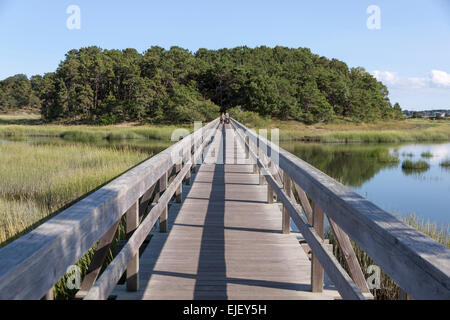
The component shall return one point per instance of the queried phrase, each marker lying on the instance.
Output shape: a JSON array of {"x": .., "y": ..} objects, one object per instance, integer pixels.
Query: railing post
[
  {"x": 269, "y": 187},
  {"x": 247, "y": 152},
  {"x": 188, "y": 176},
  {"x": 316, "y": 268},
  {"x": 261, "y": 178},
  {"x": 163, "y": 227},
  {"x": 132, "y": 222},
  {"x": 179, "y": 189},
  {"x": 269, "y": 194},
  {"x": 286, "y": 219}
]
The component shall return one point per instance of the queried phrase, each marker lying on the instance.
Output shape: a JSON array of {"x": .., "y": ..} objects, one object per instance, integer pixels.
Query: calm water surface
[{"x": 371, "y": 171}]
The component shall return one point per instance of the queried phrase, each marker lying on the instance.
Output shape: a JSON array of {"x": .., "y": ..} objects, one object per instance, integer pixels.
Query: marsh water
[
  {"x": 375, "y": 172},
  {"x": 372, "y": 170}
]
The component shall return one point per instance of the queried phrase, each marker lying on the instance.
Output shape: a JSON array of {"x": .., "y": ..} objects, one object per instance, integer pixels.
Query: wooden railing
[
  {"x": 419, "y": 265},
  {"x": 31, "y": 265}
]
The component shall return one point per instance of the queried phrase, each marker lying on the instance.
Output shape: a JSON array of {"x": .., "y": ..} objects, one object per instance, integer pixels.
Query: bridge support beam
[
  {"x": 317, "y": 273},
  {"x": 132, "y": 222}
]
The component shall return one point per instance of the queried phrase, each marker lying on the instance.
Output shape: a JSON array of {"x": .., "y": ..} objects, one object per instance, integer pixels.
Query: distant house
[{"x": 440, "y": 115}]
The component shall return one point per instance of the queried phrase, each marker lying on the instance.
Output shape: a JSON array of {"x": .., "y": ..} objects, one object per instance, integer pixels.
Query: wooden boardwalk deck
[{"x": 224, "y": 240}]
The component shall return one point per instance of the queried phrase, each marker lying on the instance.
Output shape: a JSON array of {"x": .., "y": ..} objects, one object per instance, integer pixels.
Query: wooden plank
[
  {"x": 350, "y": 257},
  {"x": 393, "y": 245},
  {"x": 144, "y": 201},
  {"x": 97, "y": 261},
  {"x": 304, "y": 202},
  {"x": 317, "y": 274}
]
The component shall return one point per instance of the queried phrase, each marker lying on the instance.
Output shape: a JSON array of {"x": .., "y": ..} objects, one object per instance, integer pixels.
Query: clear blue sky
[{"x": 410, "y": 53}]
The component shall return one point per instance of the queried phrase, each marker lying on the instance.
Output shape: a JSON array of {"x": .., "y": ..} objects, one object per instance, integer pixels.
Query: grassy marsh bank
[
  {"x": 23, "y": 126},
  {"x": 413, "y": 130},
  {"x": 339, "y": 131},
  {"x": 88, "y": 133},
  {"x": 38, "y": 180}
]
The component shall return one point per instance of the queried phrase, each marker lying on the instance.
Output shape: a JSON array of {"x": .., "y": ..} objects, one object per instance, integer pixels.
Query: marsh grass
[
  {"x": 426, "y": 154},
  {"x": 37, "y": 180},
  {"x": 26, "y": 119},
  {"x": 445, "y": 163},
  {"x": 345, "y": 132},
  {"x": 389, "y": 290},
  {"x": 83, "y": 133},
  {"x": 408, "y": 154},
  {"x": 415, "y": 165}
]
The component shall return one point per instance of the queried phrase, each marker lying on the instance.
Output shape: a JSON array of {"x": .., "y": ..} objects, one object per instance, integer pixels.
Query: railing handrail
[
  {"x": 33, "y": 263},
  {"x": 417, "y": 263}
]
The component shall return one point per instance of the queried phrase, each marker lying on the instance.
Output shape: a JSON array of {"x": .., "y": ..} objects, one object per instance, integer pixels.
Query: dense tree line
[
  {"x": 107, "y": 86},
  {"x": 18, "y": 91}
]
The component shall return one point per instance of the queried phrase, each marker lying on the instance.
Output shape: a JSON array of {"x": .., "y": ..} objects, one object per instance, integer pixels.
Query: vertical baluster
[
  {"x": 269, "y": 187},
  {"x": 286, "y": 219},
  {"x": 179, "y": 189},
  {"x": 132, "y": 222},
  {"x": 269, "y": 193},
  {"x": 188, "y": 177},
  {"x": 163, "y": 227},
  {"x": 261, "y": 178},
  {"x": 247, "y": 152},
  {"x": 316, "y": 268}
]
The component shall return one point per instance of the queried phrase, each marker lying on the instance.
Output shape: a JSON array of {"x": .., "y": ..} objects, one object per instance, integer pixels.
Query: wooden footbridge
[{"x": 210, "y": 218}]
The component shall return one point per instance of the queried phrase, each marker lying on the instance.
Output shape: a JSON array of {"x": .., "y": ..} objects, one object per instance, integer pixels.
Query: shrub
[
  {"x": 253, "y": 119},
  {"x": 108, "y": 119}
]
